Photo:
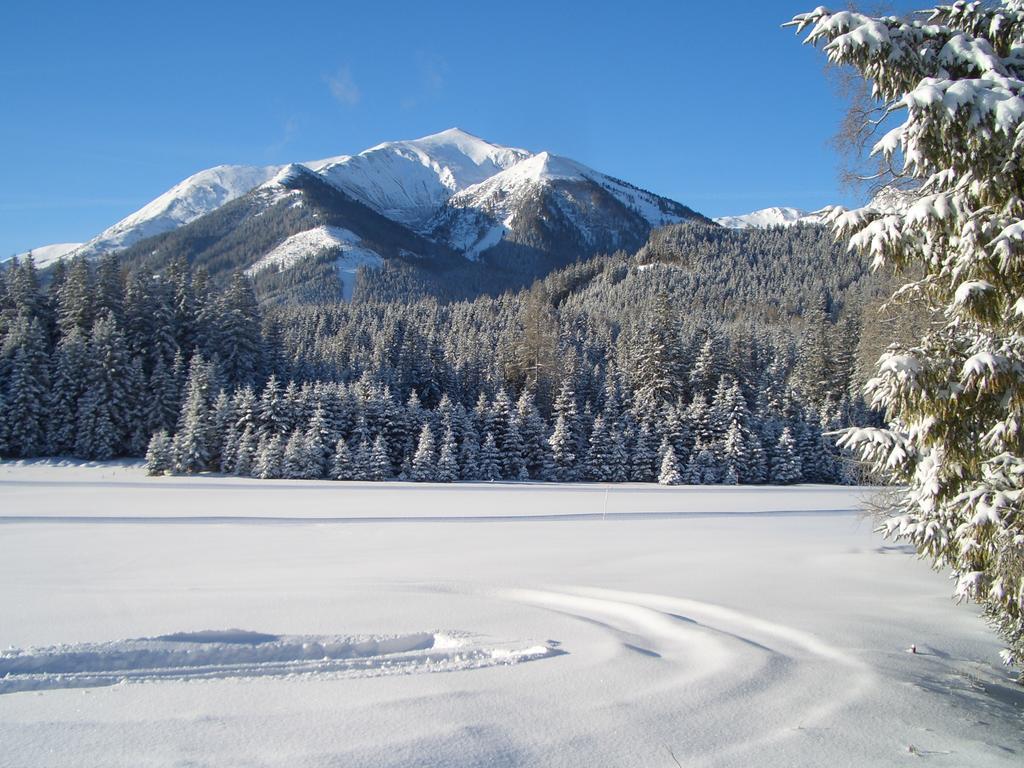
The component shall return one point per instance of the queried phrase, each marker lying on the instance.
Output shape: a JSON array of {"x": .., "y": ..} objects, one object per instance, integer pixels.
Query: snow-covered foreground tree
[{"x": 955, "y": 400}]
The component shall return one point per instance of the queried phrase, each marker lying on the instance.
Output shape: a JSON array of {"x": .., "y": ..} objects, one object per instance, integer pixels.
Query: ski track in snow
[
  {"x": 707, "y": 647},
  {"x": 217, "y": 655}
]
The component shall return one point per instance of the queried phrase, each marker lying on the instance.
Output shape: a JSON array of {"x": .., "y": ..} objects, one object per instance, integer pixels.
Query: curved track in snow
[
  {"x": 714, "y": 661},
  {"x": 213, "y": 655}
]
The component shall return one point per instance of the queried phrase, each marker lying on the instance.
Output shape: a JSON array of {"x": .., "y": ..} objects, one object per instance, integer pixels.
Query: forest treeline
[{"x": 710, "y": 356}]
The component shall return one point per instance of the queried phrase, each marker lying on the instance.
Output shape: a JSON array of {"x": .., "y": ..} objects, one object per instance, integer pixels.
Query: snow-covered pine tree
[
  {"x": 28, "y": 383},
  {"x": 642, "y": 461},
  {"x": 317, "y": 445},
  {"x": 67, "y": 383},
  {"x": 735, "y": 455},
  {"x": 955, "y": 400},
  {"x": 361, "y": 462},
  {"x": 704, "y": 468},
  {"x": 785, "y": 464},
  {"x": 245, "y": 453},
  {"x": 469, "y": 451},
  {"x": 563, "y": 444},
  {"x": 447, "y": 460},
  {"x": 75, "y": 298},
  {"x": 618, "y": 454},
  {"x": 656, "y": 374},
  {"x": 567, "y": 407},
  {"x": 137, "y": 435},
  {"x": 269, "y": 458},
  {"x": 193, "y": 439},
  {"x": 104, "y": 410},
  {"x": 599, "y": 455},
  {"x": 424, "y": 463},
  {"x": 236, "y": 336},
  {"x": 669, "y": 473},
  {"x": 380, "y": 463},
  {"x": 273, "y": 411},
  {"x": 295, "y": 465},
  {"x": 341, "y": 463},
  {"x": 159, "y": 459},
  {"x": 514, "y": 464},
  {"x": 222, "y": 437},
  {"x": 532, "y": 430},
  {"x": 490, "y": 459}
]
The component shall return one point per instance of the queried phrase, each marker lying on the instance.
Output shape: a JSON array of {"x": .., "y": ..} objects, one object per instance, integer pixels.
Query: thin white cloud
[{"x": 343, "y": 87}]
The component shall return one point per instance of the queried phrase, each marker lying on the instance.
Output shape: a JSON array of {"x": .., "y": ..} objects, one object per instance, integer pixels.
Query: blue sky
[{"x": 108, "y": 104}]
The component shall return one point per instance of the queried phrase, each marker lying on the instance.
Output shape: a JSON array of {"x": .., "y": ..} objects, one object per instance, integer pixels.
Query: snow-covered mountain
[
  {"x": 433, "y": 202},
  {"x": 186, "y": 201},
  {"x": 886, "y": 200},
  {"x": 769, "y": 217},
  {"x": 408, "y": 181},
  {"x": 46, "y": 255},
  {"x": 545, "y": 199}
]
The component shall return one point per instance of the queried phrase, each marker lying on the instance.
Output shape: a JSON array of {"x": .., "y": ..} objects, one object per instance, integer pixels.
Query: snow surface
[
  {"x": 313, "y": 242},
  {"x": 770, "y": 217},
  {"x": 46, "y": 255},
  {"x": 713, "y": 626}
]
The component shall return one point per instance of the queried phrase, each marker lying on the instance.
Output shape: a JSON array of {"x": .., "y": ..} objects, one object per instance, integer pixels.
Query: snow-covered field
[{"x": 217, "y": 621}]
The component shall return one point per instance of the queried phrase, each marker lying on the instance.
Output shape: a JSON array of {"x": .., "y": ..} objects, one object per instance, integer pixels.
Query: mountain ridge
[{"x": 431, "y": 203}]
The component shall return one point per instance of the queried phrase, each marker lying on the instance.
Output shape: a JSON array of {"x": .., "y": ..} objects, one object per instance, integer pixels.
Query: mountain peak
[{"x": 776, "y": 216}]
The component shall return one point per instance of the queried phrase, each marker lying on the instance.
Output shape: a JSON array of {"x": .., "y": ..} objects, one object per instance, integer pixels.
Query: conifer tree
[
  {"x": 317, "y": 445},
  {"x": 669, "y": 473},
  {"x": 269, "y": 458},
  {"x": 562, "y": 446},
  {"x": 67, "y": 385},
  {"x": 380, "y": 464},
  {"x": 599, "y": 456},
  {"x": 341, "y": 463},
  {"x": 735, "y": 455},
  {"x": 273, "y": 411},
  {"x": 469, "y": 451},
  {"x": 490, "y": 459},
  {"x": 424, "y": 462},
  {"x": 105, "y": 409},
  {"x": 159, "y": 459},
  {"x": 447, "y": 460},
  {"x": 75, "y": 298},
  {"x": 245, "y": 453},
  {"x": 953, "y": 399},
  {"x": 193, "y": 439},
  {"x": 361, "y": 463},
  {"x": 514, "y": 463},
  {"x": 27, "y": 388},
  {"x": 785, "y": 466},
  {"x": 704, "y": 468},
  {"x": 295, "y": 465}
]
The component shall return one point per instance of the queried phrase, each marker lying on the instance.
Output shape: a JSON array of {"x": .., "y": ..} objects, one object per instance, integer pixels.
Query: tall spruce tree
[{"x": 955, "y": 398}]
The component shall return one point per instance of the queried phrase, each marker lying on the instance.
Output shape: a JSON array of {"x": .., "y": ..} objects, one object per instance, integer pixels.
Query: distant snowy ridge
[
  {"x": 45, "y": 255},
  {"x": 770, "y": 217},
  {"x": 194, "y": 197},
  {"x": 888, "y": 200}
]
